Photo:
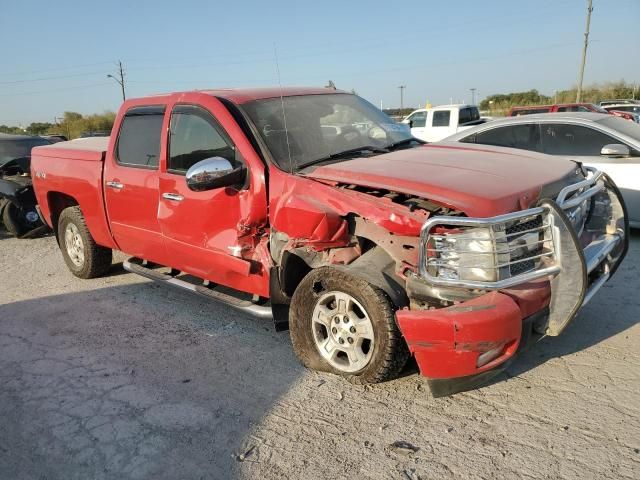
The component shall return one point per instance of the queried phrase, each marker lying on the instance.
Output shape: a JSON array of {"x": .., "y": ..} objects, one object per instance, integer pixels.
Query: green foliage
[
  {"x": 38, "y": 128},
  {"x": 8, "y": 129},
  {"x": 73, "y": 124},
  {"x": 507, "y": 100},
  {"x": 501, "y": 103}
]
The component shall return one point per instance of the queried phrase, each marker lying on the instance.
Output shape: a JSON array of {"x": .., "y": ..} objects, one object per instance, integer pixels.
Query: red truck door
[
  {"x": 203, "y": 231},
  {"x": 131, "y": 183}
]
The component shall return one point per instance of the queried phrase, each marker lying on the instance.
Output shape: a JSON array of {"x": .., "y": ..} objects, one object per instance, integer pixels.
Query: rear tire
[
  {"x": 83, "y": 256},
  {"x": 11, "y": 217},
  {"x": 342, "y": 324}
]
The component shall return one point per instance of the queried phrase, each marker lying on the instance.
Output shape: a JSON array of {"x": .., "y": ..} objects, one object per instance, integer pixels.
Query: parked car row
[
  {"x": 605, "y": 142},
  {"x": 313, "y": 208},
  {"x": 628, "y": 114},
  {"x": 434, "y": 124}
]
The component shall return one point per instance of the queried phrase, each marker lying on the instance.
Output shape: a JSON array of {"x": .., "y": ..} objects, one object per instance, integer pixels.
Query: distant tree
[
  {"x": 8, "y": 129},
  {"x": 73, "y": 124},
  {"x": 38, "y": 128}
]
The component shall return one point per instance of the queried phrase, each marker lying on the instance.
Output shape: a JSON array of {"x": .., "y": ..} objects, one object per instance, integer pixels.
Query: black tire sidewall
[
  {"x": 97, "y": 259},
  {"x": 378, "y": 307},
  {"x": 66, "y": 218},
  {"x": 11, "y": 217}
]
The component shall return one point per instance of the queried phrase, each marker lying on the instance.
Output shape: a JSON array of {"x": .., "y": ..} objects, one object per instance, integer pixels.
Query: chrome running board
[{"x": 137, "y": 266}]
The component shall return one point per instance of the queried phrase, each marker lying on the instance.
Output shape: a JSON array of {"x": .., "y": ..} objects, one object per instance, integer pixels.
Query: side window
[
  {"x": 467, "y": 115},
  {"x": 139, "y": 137},
  {"x": 418, "y": 119},
  {"x": 195, "y": 135},
  {"x": 563, "y": 139},
  {"x": 441, "y": 118},
  {"x": 525, "y": 137}
]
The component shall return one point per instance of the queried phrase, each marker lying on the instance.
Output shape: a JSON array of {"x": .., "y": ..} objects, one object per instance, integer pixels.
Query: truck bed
[
  {"x": 71, "y": 173},
  {"x": 91, "y": 149}
]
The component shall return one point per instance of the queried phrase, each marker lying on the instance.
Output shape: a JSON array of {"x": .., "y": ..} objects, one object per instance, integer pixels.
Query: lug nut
[
  {"x": 337, "y": 320},
  {"x": 350, "y": 340},
  {"x": 345, "y": 319},
  {"x": 341, "y": 341},
  {"x": 352, "y": 329},
  {"x": 334, "y": 330}
]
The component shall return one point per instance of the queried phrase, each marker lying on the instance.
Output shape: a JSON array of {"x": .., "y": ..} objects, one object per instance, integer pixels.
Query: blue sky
[{"x": 57, "y": 54}]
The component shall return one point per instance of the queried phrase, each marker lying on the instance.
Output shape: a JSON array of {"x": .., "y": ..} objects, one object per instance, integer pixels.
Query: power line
[
  {"x": 16, "y": 82},
  {"x": 65, "y": 89}
]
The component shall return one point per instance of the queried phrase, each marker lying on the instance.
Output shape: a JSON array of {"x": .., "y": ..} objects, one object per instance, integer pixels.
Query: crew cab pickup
[
  {"x": 368, "y": 245},
  {"x": 437, "y": 123}
]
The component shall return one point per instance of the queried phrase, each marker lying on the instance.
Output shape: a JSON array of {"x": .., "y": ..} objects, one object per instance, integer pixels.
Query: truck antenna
[{"x": 284, "y": 115}]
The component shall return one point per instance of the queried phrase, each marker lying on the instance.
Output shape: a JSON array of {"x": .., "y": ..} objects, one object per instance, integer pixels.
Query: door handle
[
  {"x": 116, "y": 185},
  {"x": 173, "y": 196}
]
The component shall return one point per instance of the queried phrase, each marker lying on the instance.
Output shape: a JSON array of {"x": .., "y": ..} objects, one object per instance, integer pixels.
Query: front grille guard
[{"x": 568, "y": 198}]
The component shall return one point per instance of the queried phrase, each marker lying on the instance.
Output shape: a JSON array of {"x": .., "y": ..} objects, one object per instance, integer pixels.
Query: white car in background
[
  {"x": 434, "y": 124},
  {"x": 606, "y": 142},
  {"x": 625, "y": 106}
]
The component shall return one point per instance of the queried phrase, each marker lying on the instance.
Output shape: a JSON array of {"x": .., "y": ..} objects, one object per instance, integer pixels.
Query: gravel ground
[{"x": 119, "y": 377}]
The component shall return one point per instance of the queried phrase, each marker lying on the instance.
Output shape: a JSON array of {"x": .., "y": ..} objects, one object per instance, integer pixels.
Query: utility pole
[
  {"x": 402, "y": 87},
  {"x": 120, "y": 80},
  {"x": 473, "y": 96},
  {"x": 584, "y": 51}
]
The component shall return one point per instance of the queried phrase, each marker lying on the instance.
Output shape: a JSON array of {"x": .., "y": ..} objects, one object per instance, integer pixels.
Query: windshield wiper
[
  {"x": 344, "y": 154},
  {"x": 402, "y": 143}
]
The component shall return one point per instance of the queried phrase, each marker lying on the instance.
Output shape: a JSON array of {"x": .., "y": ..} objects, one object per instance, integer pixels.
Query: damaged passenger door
[{"x": 200, "y": 221}]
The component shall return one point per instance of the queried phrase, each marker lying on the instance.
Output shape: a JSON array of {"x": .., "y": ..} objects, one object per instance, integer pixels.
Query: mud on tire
[
  {"x": 389, "y": 351},
  {"x": 90, "y": 259}
]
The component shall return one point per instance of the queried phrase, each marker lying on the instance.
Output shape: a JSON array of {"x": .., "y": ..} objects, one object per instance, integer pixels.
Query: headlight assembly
[{"x": 487, "y": 253}]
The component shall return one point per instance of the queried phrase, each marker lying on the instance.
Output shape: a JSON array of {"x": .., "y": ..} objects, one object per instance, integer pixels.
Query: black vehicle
[{"x": 17, "y": 201}]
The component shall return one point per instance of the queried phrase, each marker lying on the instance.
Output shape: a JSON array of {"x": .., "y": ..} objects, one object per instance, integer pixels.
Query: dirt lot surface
[{"x": 122, "y": 378}]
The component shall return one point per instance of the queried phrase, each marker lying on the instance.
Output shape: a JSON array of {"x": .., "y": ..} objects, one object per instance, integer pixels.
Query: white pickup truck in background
[{"x": 437, "y": 123}]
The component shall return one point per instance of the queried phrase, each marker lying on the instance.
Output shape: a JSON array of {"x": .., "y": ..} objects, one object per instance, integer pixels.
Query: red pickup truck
[{"x": 312, "y": 207}]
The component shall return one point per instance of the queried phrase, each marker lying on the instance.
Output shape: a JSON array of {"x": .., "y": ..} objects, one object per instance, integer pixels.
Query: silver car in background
[{"x": 608, "y": 143}]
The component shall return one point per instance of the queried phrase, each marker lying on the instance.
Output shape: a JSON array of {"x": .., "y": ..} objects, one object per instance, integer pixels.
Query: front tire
[
  {"x": 342, "y": 324},
  {"x": 84, "y": 257}
]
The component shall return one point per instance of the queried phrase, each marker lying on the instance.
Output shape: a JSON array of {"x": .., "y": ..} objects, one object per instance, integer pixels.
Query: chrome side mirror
[
  {"x": 214, "y": 172},
  {"x": 615, "y": 150}
]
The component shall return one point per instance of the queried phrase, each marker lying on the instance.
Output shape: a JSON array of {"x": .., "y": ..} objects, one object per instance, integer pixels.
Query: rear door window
[
  {"x": 567, "y": 139},
  {"x": 469, "y": 114},
  {"x": 526, "y": 137},
  {"x": 441, "y": 118},
  {"x": 139, "y": 137}
]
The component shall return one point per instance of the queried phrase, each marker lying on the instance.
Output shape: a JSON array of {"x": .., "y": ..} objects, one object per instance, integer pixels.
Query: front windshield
[
  {"x": 19, "y": 148},
  {"x": 321, "y": 126}
]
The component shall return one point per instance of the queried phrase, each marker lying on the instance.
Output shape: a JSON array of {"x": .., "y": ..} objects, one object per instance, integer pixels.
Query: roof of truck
[{"x": 244, "y": 95}]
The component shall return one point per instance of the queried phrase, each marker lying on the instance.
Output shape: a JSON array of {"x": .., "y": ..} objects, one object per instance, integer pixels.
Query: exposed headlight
[
  {"x": 467, "y": 255},
  {"x": 488, "y": 253}
]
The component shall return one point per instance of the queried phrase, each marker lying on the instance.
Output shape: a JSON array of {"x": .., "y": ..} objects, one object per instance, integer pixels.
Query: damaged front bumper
[{"x": 463, "y": 345}]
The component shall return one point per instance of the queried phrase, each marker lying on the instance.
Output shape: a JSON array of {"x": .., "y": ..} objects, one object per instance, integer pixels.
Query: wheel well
[
  {"x": 294, "y": 269},
  {"x": 57, "y": 203}
]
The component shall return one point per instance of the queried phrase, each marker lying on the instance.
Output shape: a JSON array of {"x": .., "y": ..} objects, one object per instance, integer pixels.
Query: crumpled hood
[{"x": 480, "y": 180}]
